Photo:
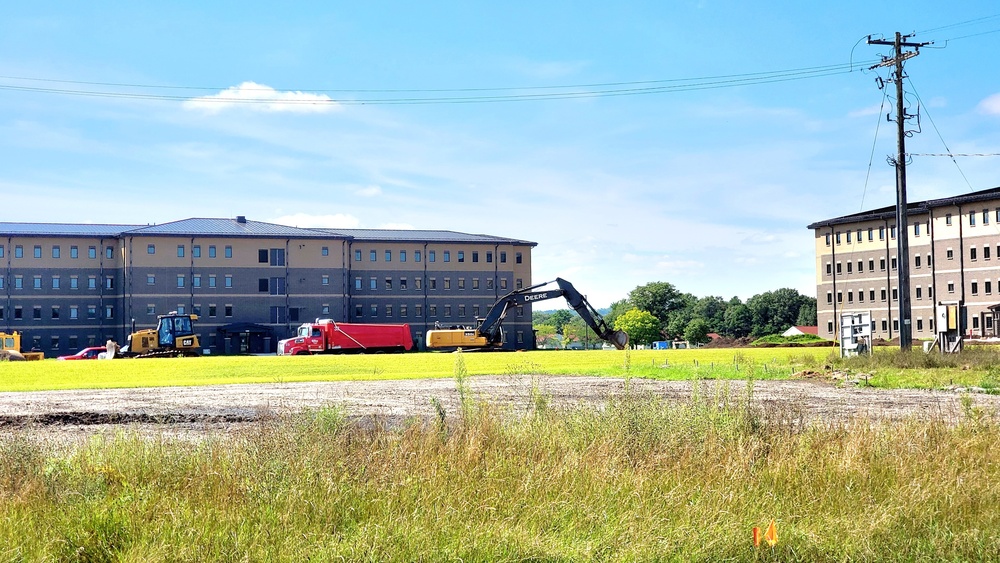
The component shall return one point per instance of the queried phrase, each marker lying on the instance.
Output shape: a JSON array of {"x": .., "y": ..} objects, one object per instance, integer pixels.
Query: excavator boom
[{"x": 489, "y": 333}]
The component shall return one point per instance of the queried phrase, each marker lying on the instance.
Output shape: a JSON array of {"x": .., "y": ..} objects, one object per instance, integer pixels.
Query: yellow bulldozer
[
  {"x": 173, "y": 336},
  {"x": 10, "y": 348}
]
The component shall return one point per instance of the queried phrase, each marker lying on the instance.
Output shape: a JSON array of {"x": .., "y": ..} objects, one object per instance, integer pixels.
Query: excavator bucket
[{"x": 619, "y": 339}]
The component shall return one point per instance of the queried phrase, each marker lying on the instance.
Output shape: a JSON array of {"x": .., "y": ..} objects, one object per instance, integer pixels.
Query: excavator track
[{"x": 167, "y": 354}]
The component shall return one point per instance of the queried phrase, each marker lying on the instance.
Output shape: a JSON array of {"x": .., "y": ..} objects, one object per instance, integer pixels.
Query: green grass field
[{"x": 663, "y": 364}]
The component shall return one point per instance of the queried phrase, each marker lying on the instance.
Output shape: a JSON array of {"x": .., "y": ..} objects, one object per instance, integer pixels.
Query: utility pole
[{"x": 902, "y": 222}]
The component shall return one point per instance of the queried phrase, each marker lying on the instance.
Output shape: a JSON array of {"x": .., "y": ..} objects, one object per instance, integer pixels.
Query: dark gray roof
[
  {"x": 62, "y": 229},
  {"x": 414, "y": 235},
  {"x": 224, "y": 228},
  {"x": 912, "y": 208}
]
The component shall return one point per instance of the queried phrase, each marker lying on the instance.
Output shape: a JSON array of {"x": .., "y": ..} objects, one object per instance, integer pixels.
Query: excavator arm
[{"x": 489, "y": 333}]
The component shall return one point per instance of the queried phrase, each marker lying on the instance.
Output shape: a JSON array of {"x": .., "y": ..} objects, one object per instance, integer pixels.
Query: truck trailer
[{"x": 326, "y": 336}]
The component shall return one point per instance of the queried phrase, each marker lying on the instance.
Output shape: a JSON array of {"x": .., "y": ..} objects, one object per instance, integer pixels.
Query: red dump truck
[{"x": 326, "y": 336}]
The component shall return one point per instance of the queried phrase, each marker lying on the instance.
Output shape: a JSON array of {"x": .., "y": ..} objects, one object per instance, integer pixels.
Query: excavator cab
[{"x": 173, "y": 336}]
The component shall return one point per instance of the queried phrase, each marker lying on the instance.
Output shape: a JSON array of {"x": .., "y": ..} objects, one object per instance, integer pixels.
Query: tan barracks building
[
  {"x": 954, "y": 246},
  {"x": 68, "y": 286}
]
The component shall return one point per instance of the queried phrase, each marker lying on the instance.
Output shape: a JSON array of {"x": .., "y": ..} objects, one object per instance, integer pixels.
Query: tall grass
[{"x": 637, "y": 479}]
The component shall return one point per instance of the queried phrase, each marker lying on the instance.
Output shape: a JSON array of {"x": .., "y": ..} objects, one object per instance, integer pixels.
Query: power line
[{"x": 607, "y": 89}]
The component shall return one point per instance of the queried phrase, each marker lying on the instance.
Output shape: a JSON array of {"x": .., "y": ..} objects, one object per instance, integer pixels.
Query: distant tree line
[{"x": 658, "y": 311}]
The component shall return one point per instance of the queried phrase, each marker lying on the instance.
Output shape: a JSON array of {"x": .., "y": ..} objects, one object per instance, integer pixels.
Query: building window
[
  {"x": 461, "y": 256},
  {"x": 196, "y": 251},
  {"x": 74, "y": 252},
  {"x": 38, "y": 251},
  {"x": 861, "y": 266},
  {"x": 388, "y": 284},
  {"x": 829, "y": 297},
  {"x": 871, "y": 235},
  {"x": 109, "y": 312},
  {"x": 18, "y": 251},
  {"x": 850, "y": 268},
  {"x": 372, "y": 256},
  {"x": 150, "y": 309},
  {"x": 418, "y": 310},
  {"x": 372, "y": 284},
  {"x": 447, "y": 256},
  {"x": 916, "y": 229},
  {"x": 74, "y": 312},
  {"x": 461, "y": 283},
  {"x": 882, "y": 294},
  {"x": 972, "y": 253},
  {"x": 850, "y": 297},
  {"x": 489, "y": 257},
  {"x": 987, "y": 287},
  {"x": 418, "y": 283},
  {"x": 228, "y": 252},
  {"x": 986, "y": 216},
  {"x": 402, "y": 284},
  {"x": 881, "y": 264},
  {"x": 277, "y": 256},
  {"x": 975, "y": 288},
  {"x": 930, "y": 292},
  {"x": 949, "y": 254},
  {"x": 416, "y": 256},
  {"x": 229, "y": 280},
  {"x": 489, "y": 283},
  {"x": 918, "y": 292},
  {"x": 196, "y": 280},
  {"x": 461, "y": 311},
  {"x": 180, "y": 280},
  {"x": 432, "y": 310},
  {"x": 951, "y": 287},
  {"x": 503, "y": 283},
  {"x": 357, "y": 255},
  {"x": 848, "y": 237},
  {"x": 503, "y": 257},
  {"x": 91, "y": 311},
  {"x": 55, "y": 311},
  {"x": 920, "y": 325},
  {"x": 262, "y": 285},
  {"x": 325, "y": 279},
  {"x": 916, "y": 261},
  {"x": 447, "y": 283},
  {"x": 402, "y": 256},
  {"x": 829, "y": 327},
  {"x": 947, "y": 219},
  {"x": 262, "y": 256},
  {"x": 475, "y": 283},
  {"x": 388, "y": 256},
  {"x": 402, "y": 310},
  {"x": 325, "y": 309},
  {"x": 150, "y": 249},
  {"x": 325, "y": 251},
  {"x": 211, "y": 310},
  {"x": 861, "y": 296},
  {"x": 37, "y": 282},
  {"x": 517, "y": 257},
  {"x": 92, "y": 282},
  {"x": 972, "y": 218},
  {"x": 180, "y": 251},
  {"x": 447, "y": 311},
  {"x": 373, "y": 309},
  {"x": 388, "y": 310},
  {"x": 228, "y": 310},
  {"x": 211, "y": 280},
  {"x": 56, "y": 252},
  {"x": 840, "y": 297},
  {"x": 55, "y": 282},
  {"x": 892, "y": 262},
  {"x": 432, "y": 283},
  {"x": 211, "y": 251},
  {"x": 986, "y": 253},
  {"x": 431, "y": 256}
]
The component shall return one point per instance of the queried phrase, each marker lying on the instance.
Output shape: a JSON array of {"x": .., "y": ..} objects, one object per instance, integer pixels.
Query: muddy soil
[{"x": 196, "y": 412}]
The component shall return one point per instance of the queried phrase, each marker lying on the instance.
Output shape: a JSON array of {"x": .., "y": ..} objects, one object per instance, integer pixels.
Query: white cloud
[
  {"x": 306, "y": 221},
  {"x": 370, "y": 191},
  {"x": 863, "y": 112},
  {"x": 991, "y": 105},
  {"x": 259, "y": 97},
  {"x": 397, "y": 226}
]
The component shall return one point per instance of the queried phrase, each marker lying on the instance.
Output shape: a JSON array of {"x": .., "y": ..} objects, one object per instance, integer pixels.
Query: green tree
[
  {"x": 658, "y": 298},
  {"x": 774, "y": 311},
  {"x": 713, "y": 311},
  {"x": 697, "y": 331},
  {"x": 559, "y": 319},
  {"x": 618, "y": 308},
  {"x": 546, "y": 336},
  {"x": 738, "y": 321},
  {"x": 641, "y": 326},
  {"x": 807, "y": 312}
]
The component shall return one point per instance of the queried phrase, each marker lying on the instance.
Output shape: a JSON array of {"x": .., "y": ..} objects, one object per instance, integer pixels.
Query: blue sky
[{"x": 709, "y": 188}]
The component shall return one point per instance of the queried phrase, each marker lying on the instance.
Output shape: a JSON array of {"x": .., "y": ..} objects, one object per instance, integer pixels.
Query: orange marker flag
[
  {"x": 771, "y": 535},
  {"x": 756, "y": 536}
]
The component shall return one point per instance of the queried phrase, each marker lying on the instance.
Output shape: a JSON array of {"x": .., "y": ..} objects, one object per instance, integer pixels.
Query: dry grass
[{"x": 637, "y": 479}]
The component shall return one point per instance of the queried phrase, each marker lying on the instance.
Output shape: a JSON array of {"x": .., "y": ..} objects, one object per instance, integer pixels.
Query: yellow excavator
[
  {"x": 488, "y": 334},
  {"x": 173, "y": 336}
]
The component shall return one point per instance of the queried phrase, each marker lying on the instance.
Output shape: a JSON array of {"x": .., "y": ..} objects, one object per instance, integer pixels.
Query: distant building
[
  {"x": 954, "y": 246},
  {"x": 69, "y": 286}
]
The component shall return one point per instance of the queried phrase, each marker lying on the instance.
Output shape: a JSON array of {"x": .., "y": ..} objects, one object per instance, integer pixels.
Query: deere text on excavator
[
  {"x": 488, "y": 334},
  {"x": 173, "y": 336}
]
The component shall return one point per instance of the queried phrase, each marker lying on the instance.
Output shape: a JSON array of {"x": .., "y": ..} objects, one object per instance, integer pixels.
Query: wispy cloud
[
  {"x": 259, "y": 97},
  {"x": 991, "y": 105},
  {"x": 370, "y": 191}
]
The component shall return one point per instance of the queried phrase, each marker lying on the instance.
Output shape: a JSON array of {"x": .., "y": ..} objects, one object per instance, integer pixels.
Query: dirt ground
[{"x": 195, "y": 412}]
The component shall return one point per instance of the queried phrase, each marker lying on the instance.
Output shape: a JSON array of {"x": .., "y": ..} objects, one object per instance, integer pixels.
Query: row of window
[
  {"x": 74, "y": 251},
  {"x": 974, "y": 255},
  {"x": 402, "y": 310},
  {"x": 419, "y": 285},
  {"x": 56, "y": 282},
  {"x": 71, "y": 312},
  {"x": 432, "y": 256},
  {"x": 917, "y": 226},
  {"x": 919, "y": 323},
  {"x": 918, "y": 292},
  {"x": 195, "y": 250}
]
